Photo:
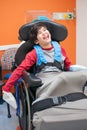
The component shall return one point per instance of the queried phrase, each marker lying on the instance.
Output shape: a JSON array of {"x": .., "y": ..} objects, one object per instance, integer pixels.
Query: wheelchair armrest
[{"x": 32, "y": 80}]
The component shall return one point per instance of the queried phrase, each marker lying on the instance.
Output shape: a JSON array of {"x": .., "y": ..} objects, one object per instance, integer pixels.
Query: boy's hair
[{"x": 34, "y": 31}]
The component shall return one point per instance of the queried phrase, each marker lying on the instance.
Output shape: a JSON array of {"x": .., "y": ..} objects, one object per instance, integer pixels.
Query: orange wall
[{"x": 13, "y": 13}]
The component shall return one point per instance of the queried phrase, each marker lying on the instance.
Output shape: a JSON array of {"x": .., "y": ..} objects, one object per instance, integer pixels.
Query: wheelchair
[{"x": 68, "y": 116}]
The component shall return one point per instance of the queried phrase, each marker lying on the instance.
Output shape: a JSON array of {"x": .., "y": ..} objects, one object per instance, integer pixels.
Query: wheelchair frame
[
  {"x": 23, "y": 87},
  {"x": 23, "y": 93},
  {"x": 26, "y": 96}
]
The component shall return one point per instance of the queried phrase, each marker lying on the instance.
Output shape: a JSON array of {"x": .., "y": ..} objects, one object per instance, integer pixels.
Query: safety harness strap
[
  {"x": 50, "y": 102},
  {"x": 55, "y": 63}
]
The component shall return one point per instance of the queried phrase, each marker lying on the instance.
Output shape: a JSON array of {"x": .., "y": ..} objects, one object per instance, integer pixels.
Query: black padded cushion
[
  {"x": 22, "y": 51},
  {"x": 58, "y": 32}
]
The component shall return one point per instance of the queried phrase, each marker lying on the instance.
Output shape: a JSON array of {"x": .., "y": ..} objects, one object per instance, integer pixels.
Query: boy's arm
[
  {"x": 67, "y": 61},
  {"x": 69, "y": 66}
]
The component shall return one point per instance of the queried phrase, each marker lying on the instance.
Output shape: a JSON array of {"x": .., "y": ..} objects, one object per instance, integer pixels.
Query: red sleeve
[
  {"x": 26, "y": 64},
  {"x": 67, "y": 61}
]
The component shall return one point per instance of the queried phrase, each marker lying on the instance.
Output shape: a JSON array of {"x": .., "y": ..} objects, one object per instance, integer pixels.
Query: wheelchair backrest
[{"x": 58, "y": 33}]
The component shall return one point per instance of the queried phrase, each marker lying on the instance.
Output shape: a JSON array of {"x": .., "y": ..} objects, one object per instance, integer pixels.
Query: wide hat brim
[{"x": 58, "y": 31}]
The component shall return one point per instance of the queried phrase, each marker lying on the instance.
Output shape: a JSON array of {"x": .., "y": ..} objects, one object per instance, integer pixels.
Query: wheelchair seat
[
  {"x": 30, "y": 83},
  {"x": 58, "y": 33},
  {"x": 60, "y": 116}
]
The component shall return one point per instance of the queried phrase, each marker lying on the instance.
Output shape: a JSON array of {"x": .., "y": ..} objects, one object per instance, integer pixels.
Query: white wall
[{"x": 81, "y": 32}]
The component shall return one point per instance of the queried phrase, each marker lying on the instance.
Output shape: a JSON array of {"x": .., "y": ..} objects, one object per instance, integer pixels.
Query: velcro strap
[{"x": 50, "y": 102}]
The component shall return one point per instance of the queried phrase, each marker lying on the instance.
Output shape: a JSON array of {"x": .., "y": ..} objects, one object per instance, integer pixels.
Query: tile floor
[{"x": 5, "y": 122}]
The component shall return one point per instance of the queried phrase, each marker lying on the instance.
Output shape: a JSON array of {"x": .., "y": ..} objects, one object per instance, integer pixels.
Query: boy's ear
[{"x": 36, "y": 42}]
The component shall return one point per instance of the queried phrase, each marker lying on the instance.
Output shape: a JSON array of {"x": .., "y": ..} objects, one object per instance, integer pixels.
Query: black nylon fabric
[{"x": 50, "y": 102}]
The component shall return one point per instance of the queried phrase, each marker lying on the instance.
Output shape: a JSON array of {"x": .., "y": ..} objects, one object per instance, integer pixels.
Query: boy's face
[{"x": 43, "y": 37}]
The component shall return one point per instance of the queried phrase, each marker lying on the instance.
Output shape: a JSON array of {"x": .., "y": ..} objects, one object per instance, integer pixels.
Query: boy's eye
[
  {"x": 45, "y": 29},
  {"x": 42, "y": 30},
  {"x": 39, "y": 32}
]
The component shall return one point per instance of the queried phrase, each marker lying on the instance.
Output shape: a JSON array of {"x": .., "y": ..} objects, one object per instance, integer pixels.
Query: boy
[{"x": 51, "y": 62}]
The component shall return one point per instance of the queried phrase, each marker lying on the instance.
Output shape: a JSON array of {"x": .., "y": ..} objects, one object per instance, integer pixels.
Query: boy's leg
[{"x": 64, "y": 83}]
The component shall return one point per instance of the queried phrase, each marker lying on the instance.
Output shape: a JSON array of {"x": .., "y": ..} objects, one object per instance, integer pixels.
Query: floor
[{"x": 5, "y": 122}]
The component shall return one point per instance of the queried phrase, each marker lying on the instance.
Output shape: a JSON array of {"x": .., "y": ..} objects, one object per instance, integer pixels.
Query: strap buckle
[{"x": 59, "y": 100}]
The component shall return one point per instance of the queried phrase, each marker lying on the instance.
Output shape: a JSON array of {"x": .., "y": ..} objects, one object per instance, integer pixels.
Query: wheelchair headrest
[{"x": 58, "y": 32}]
